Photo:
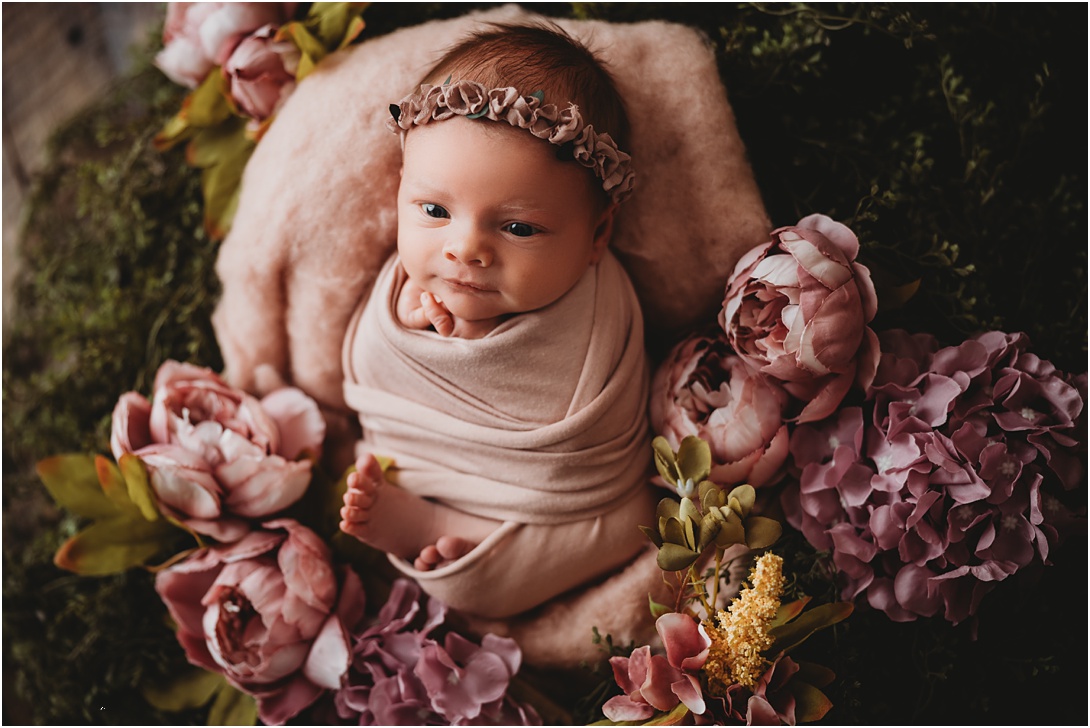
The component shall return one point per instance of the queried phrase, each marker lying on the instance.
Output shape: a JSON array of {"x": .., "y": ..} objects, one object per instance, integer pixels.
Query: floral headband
[{"x": 562, "y": 127}]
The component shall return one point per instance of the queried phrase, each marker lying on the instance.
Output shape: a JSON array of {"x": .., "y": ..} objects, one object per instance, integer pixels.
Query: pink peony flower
[
  {"x": 703, "y": 389},
  {"x": 199, "y": 36},
  {"x": 216, "y": 456},
  {"x": 261, "y": 73},
  {"x": 797, "y": 308},
  {"x": 399, "y": 675},
  {"x": 947, "y": 480},
  {"x": 269, "y": 613},
  {"x": 657, "y": 683}
]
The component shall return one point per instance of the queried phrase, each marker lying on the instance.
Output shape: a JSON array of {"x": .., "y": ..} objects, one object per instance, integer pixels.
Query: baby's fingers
[{"x": 439, "y": 316}]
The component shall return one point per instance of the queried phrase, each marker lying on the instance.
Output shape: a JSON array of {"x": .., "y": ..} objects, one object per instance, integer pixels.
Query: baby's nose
[{"x": 468, "y": 250}]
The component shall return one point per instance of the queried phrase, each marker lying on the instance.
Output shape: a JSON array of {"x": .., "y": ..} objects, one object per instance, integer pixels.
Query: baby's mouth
[{"x": 467, "y": 286}]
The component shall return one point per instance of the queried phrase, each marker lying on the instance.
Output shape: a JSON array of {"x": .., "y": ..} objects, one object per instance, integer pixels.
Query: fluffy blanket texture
[
  {"x": 540, "y": 425},
  {"x": 316, "y": 221}
]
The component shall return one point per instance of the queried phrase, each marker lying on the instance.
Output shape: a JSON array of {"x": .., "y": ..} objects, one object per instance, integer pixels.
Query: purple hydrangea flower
[
  {"x": 945, "y": 481},
  {"x": 400, "y": 675}
]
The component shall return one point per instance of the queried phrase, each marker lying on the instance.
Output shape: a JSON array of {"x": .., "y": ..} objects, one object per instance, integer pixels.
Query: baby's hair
[{"x": 538, "y": 57}]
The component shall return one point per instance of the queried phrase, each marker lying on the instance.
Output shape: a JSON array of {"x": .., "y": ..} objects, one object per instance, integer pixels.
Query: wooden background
[{"x": 57, "y": 57}]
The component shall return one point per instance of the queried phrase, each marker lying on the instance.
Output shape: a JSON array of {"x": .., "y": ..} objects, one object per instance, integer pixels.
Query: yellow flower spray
[{"x": 740, "y": 634}]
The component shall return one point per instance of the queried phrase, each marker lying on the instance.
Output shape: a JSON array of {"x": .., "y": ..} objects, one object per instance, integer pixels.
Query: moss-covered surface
[{"x": 939, "y": 133}]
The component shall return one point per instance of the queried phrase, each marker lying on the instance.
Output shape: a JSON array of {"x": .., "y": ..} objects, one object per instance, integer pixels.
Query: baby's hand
[
  {"x": 436, "y": 314},
  {"x": 418, "y": 309}
]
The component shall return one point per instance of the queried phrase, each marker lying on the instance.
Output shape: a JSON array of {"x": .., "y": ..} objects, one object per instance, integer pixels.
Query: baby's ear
[{"x": 603, "y": 232}]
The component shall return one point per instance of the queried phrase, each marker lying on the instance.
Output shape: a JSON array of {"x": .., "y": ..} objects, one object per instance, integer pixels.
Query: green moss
[{"x": 937, "y": 132}]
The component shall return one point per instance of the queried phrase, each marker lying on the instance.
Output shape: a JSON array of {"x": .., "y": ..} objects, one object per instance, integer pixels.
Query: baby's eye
[
  {"x": 521, "y": 229},
  {"x": 433, "y": 210}
]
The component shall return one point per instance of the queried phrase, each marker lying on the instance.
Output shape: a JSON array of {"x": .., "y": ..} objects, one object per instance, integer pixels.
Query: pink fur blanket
[{"x": 316, "y": 221}]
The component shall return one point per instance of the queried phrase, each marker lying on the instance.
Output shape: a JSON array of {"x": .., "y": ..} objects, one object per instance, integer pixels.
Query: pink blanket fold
[{"x": 542, "y": 421}]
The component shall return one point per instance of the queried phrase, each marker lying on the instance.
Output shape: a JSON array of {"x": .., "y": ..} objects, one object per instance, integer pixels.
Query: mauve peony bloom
[
  {"x": 946, "y": 481},
  {"x": 261, "y": 73},
  {"x": 268, "y": 613},
  {"x": 797, "y": 308},
  {"x": 703, "y": 389},
  {"x": 216, "y": 456},
  {"x": 401, "y": 676},
  {"x": 657, "y": 683},
  {"x": 199, "y": 36}
]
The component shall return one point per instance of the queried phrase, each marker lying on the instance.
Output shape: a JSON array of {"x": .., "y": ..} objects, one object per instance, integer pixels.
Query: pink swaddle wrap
[{"x": 540, "y": 425}]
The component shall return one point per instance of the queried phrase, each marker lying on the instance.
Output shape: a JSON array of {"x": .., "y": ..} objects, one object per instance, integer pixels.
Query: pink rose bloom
[
  {"x": 269, "y": 613},
  {"x": 797, "y": 308},
  {"x": 261, "y": 73},
  {"x": 200, "y": 36},
  {"x": 657, "y": 683},
  {"x": 703, "y": 389},
  {"x": 948, "y": 480},
  {"x": 216, "y": 456}
]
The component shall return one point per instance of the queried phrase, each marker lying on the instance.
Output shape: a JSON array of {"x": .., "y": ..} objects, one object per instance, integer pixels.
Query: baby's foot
[
  {"x": 359, "y": 499},
  {"x": 445, "y": 550}
]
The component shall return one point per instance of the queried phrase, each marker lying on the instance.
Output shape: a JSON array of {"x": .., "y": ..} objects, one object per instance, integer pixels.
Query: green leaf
[
  {"x": 222, "y": 154},
  {"x": 664, "y": 460},
  {"x": 673, "y": 557},
  {"x": 113, "y": 485},
  {"x": 72, "y": 482},
  {"x": 674, "y": 717},
  {"x": 711, "y": 495},
  {"x": 178, "y": 129},
  {"x": 232, "y": 707},
  {"x": 731, "y": 532},
  {"x": 673, "y": 531},
  {"x": 762, "y": 532},
  {"x": 657, "y": 610},
  {"x": 787, "y": 636},
  {"x": 817, "y": 675},
  {"x": 112, "y": 545},
  {"x": 741, "y": 499},
  {"x": 207, "y": 106},
  {"x": 810, "y": 703},
  {"x": 710, "y": 526},
  {"x": 652, "y": 534},
  {"x": 139, "y": 489},
  {"x": 787, "y": 612},
  {"x": 191, "y": 689},
  {"x": 694, "y": 459}
]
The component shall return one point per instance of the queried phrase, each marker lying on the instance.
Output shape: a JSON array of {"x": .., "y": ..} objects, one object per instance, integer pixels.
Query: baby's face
[{"x": 491, "y": 222}]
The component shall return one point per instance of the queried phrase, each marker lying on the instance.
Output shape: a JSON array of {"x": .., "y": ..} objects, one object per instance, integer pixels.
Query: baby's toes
[
  {"x": 369, "y": 471},
  {"x": 428, "y": 559},
  {"x": 452, "y": 548},
  {"x": 359, "y": 499}
]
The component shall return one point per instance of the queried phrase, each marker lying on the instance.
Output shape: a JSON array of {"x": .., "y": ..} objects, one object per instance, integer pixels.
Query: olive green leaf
[
  {"x": 328, "y": 27},
  {"x": 192, "y": 689},
  {"x": 126, "y": 529},
  {"x": 691, "y": 462},
  {"x": 810, "y": 703},
  {"x": 787, "y": 636},
  {"x": 73, "y": 483},
  {"x": 789, "y": 611},
  {"x": 762, "y": 532},
  {"x": 232, "y": 707},
  {"x": 657, "y": 610}
]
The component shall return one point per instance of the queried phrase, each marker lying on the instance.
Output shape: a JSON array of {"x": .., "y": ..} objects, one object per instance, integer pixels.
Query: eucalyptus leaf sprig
[{"x": 688, "y": 528}]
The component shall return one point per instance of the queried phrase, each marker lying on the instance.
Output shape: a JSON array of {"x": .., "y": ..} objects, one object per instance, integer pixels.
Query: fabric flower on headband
[{"x": 563, "y": 127}]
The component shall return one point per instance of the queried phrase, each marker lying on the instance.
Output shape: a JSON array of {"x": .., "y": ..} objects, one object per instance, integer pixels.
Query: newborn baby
[{"x": 499, "y": 359}]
